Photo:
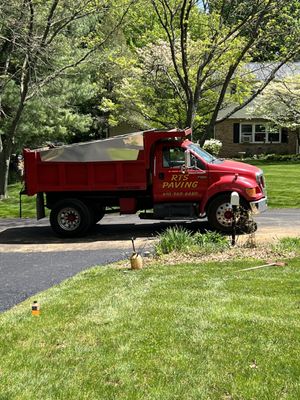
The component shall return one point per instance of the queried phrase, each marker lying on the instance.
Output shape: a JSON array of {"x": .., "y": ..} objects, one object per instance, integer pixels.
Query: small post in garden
[
  {"x": 35, "y": 308},
  {"x": 235, "y": 203},
  {"x": 136, "y": 260}
]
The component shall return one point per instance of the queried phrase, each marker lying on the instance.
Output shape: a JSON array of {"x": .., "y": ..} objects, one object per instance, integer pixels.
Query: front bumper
[{"x": 259, "y": 206}]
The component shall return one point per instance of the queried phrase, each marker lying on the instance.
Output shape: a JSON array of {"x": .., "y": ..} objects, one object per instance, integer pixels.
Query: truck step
[{"x": 169, "y": 218}]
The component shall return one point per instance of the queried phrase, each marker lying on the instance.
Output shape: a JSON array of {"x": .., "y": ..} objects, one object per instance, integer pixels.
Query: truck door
[{"x": 170, "y": 182}]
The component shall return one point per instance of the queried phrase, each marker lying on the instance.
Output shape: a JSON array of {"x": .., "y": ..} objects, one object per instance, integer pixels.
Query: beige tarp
[{"x": 118, "y": 148}]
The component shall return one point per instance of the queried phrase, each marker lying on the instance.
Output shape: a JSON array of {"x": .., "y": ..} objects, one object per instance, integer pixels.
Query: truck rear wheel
[
  {"x": 70, "y": 218},
  {"x": 219, "y": 215}
]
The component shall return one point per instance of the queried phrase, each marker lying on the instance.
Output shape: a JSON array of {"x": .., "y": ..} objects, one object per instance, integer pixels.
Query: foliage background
[{"x": 71, "y": 71}]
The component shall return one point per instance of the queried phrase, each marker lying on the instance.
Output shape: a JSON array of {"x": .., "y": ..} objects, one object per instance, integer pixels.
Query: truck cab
[{"x": 189, "y": 182}]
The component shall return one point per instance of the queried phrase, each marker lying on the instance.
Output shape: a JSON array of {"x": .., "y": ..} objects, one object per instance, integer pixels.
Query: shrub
[
  {"x": 213, "y": 146},
  {"x": 277, "y": 157},
  {"x": 173, "y": 239},
  {"x": 210, "y": 240},
  {"x": 181, "y": 240}
]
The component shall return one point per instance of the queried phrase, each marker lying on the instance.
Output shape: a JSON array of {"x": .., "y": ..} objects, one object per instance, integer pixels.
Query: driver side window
[{"x": 173, "y": 157}]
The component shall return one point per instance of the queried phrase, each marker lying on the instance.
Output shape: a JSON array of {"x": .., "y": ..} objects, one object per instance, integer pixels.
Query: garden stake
[
  {"x": 274, "y": 264},
  {"x": 133, "y": 246},
  {"x": 235, "y": 203}
]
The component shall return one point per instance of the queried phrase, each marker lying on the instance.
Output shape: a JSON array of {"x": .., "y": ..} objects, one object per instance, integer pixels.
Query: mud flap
[{"x": 40, "y": 206}]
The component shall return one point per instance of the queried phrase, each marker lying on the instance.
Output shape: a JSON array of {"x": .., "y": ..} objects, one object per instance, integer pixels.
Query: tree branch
[
  {"x": 171, "y": 39},
  {"x": 184, "y": 15},
  {"x": 79, "y": 14},
  {"x": 175, "y": 86},
  {"x": 49, "y": 21},
  {"x": 80, "y": 60}
]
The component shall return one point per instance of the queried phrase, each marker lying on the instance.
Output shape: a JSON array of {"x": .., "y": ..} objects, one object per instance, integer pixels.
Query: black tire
[
  {"x": 70, "y": 218},
  {"x": 219, "y": 215}
]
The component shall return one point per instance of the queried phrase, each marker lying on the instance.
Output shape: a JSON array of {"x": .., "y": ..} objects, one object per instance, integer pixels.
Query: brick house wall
[{"x": 224, "y": 131}]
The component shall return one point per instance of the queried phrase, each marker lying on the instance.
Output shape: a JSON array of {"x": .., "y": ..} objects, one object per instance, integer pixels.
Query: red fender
[{"x": 227, "y": 183}]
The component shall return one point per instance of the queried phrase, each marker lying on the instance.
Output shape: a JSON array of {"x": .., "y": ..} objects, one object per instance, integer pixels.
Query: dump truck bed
[{"x": 114, "y": 164}]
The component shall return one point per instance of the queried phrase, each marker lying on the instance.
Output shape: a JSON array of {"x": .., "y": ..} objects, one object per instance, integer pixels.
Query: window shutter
[
  {"x": 284, "y": 135},
  {"x": 236, "y": 133}
]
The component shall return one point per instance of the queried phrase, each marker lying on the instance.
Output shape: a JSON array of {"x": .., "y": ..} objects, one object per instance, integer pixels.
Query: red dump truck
[{"x": 160, "y": 174}]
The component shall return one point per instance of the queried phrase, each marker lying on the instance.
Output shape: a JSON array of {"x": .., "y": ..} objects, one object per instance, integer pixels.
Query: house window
[
  {"x": 274, "y": 136},
  {"x": 246, "y": 133},
  {"x": 259, "y": 133}
]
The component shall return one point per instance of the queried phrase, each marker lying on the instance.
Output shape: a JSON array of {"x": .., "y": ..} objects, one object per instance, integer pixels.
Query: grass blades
[
  {"x": 197, "y": 331},
  {"x": 283, "y": 184},
  {"x": 174, "y": 239},
  {"x": 9, "y": 208},
  {"x": 288, "y": 244}
]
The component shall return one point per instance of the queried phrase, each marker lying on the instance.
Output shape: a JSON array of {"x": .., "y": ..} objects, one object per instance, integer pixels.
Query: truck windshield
[{"x": 202, "y": 153}]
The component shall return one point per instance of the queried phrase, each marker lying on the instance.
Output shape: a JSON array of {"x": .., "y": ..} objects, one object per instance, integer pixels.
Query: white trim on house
[{"x": 257, "y": 133}]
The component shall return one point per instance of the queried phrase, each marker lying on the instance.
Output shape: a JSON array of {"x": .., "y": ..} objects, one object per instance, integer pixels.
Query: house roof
[
  {"x": 244, "y": 113},
  {"x": 261, "y": 71}
]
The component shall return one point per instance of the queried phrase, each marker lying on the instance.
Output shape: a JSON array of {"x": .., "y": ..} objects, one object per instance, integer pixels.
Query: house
[
  {"x": 242, "y": 134},
  {"x": 247, "y": 133}
]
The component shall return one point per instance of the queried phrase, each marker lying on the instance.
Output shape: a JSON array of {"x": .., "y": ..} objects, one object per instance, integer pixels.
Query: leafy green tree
[
  {"x": 211, "y": 41},
  {"x": 53, "y": 114},
  {"x": 188, "y": 59},
  {"x": 40, "y": 42}
]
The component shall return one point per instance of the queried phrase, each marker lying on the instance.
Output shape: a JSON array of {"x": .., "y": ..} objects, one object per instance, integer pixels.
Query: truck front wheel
[
  {"x": 219, "y": 215},
  {"x": 70, "y": 218}
]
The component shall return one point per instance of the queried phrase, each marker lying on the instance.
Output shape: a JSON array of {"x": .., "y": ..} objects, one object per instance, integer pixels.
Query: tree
[
  {"x": 210, "y": 42},
  {"x": 39, "y": 43},
  {"x": 140, "y": 95},
  {"x": 280, "y": 104},
  {"x": 54, "y": 114}
]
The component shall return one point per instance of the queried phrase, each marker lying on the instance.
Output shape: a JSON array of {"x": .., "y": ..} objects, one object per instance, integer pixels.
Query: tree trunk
[
  {"x": 190, "y": 115},
  {"x": 5, "y": 153},
  {"x": 207, "y": 134},
  {"x": 298, "y": 140},
  {"x": 6, "y": 148}
]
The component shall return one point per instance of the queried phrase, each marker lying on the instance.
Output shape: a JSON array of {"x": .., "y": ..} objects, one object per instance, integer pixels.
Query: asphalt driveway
[
  {"x": 32, "y": 259},
  {"x": 25, "y": 274}
]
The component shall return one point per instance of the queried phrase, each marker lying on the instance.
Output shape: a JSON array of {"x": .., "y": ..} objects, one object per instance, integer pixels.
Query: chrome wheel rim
[
  {"x": 68, "y": 219},
  {"x": 224, "y": 214}
]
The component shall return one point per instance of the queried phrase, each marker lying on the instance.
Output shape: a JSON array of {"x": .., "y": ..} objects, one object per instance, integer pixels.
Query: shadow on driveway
[{"x": 101, "y": 232}]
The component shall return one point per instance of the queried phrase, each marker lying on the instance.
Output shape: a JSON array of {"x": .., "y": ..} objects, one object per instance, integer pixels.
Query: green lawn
[
  {"x": 283, "y": 184},
  {"x": 191, "y": 331},
  {"x": 9, "y": 208}
]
